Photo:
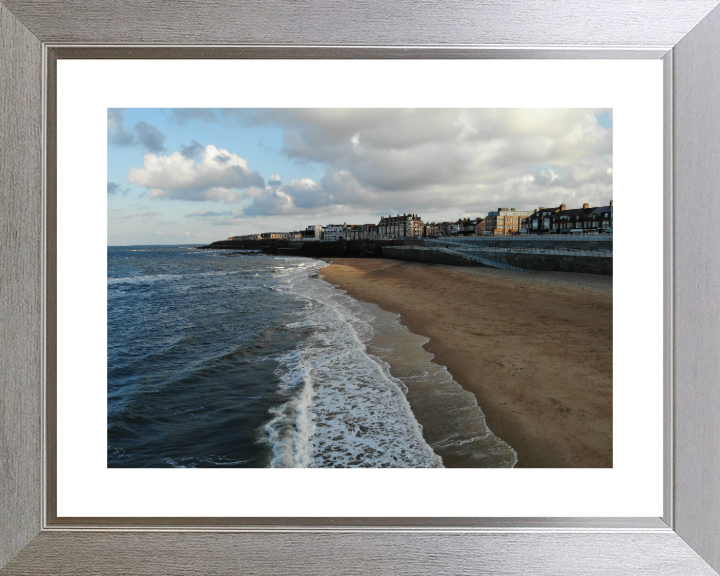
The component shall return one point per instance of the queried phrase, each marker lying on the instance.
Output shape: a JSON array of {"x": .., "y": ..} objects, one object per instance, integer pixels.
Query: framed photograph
[
  {"x": 310, "y": 377},
  {"x": 234, "y": 167}
]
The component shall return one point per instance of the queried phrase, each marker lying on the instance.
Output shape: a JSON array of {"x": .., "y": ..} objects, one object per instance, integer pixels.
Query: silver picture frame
[{"x": 685, "y": 34}]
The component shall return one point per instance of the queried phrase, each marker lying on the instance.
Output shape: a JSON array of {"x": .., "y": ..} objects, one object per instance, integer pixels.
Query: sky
[{"x": 194, "y": 176}]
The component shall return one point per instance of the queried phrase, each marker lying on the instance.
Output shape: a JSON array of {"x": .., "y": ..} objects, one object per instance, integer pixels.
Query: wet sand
[{"x": 535, "y": 349}]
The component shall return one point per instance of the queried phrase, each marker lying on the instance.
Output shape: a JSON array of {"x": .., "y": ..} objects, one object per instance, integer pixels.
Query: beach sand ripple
[{"x": 534, "y": 350}]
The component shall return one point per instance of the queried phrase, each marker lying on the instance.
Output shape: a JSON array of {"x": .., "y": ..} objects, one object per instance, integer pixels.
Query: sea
[{"x": 239, "y": 359}]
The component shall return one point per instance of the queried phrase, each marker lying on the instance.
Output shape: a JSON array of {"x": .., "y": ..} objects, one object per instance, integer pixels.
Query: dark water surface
[{"x": 239, "y": 359}]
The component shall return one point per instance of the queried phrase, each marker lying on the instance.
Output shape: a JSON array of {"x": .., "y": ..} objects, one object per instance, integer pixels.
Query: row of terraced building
[{"x": 502, "y": 222}]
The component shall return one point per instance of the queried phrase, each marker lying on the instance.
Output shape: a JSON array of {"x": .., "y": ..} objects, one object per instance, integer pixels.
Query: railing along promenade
[
  {"x": 470, "y": 248},
  {"x": 465, "y": 254},
  {"x": 479, "y": 244},
  {"x": 487, "y": 261}
]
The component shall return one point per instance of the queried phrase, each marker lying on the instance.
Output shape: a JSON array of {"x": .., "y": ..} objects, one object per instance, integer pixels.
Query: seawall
[
  {"x": 528, "y": 261},
  {"x": 589, "y": 254},
  {"x": 312, "y": 249}
]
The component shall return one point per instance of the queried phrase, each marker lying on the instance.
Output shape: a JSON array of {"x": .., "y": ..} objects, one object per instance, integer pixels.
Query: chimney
[
  {"x": 610, "y": 202},
  {"x": 563, "y": 207},
  {"x": 585, "y": 206},
  {"x": 542, "y": 207}
]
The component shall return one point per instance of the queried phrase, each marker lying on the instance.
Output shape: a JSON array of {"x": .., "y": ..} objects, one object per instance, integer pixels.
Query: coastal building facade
[
  {"x": 405, "y": 226},
  {"x": 369, "y": 232},
  {"x": 504, "y": 221},
  {"x": 466, "y": 227},
  {"x": 432, "y": 230},
  {"x": 446, "y": 228},
  {"x": 540, "y": 221},
  {"x": 333, "y": 232},
  {"x": 560, "y": 220},
  {"x": 352, "y": 232},
  {"x": 313, "y": 233}
]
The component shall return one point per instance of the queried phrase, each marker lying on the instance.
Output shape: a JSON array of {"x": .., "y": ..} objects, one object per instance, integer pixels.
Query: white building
[
  {"x": 333, "y": 232},
  {"x": 313, "y": 233}
]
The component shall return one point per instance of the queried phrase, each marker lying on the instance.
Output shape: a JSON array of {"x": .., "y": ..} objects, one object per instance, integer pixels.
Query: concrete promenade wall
[
  {"x": 313, "y": 249},
  {"x": 554, "y": 262},
  {"x": 388, "y": 249},
  {"x": 548, "y": 262},
  {"x": 427, "y": 256},
  {"x": 547, "y": 241}
]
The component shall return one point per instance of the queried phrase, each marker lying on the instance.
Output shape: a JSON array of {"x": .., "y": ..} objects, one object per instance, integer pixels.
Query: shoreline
[
  {"x": 452, "y": 423},
  {"x": 535, "y": 350}
]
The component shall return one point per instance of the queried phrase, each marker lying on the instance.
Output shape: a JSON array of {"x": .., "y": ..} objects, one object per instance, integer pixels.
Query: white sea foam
[
  {"x": 345, "y": 409},
  {"x": 143, "y": 279},
  {"x": 352, "y": 383},
  {"x": 151, "y": 278},
  {"x": 454, "y": 424}
]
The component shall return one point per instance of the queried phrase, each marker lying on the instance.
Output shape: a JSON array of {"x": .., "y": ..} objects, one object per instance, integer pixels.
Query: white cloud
[
  {"x": 209, "y": 213},
  {"x": 397, "y": 160},
  {"x": 434, "y": 159},
  {"x": 546, "y": 177},
  {"x": 268, "y": 200},
  {"x": 219, "y": 175}
]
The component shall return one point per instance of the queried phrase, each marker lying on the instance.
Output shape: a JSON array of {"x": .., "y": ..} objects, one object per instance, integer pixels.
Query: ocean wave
[
  {"x": 454, "y": 424},
  {"x": 346, "y": 410},
  {"x": 151, "y": 278},
  {"x": 204, "y": 462},
  {"x": 335, "y": 400}
]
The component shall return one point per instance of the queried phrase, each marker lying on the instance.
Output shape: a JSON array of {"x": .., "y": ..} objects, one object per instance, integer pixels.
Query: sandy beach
[{"x": 535, "y": 349}]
